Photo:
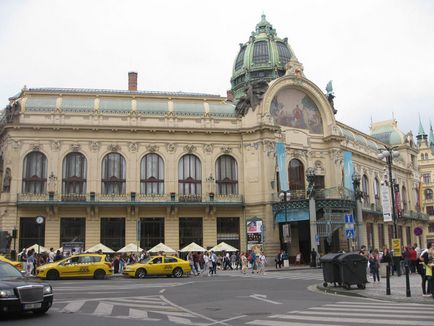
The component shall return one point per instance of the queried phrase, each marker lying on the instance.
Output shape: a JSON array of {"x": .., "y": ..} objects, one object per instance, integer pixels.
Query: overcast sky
[{"x": 379, "y": 54}]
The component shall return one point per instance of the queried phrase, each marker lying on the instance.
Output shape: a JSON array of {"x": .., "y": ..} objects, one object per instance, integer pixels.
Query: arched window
[
  {"x": 35, "y": 173},
  {"x": 74, "y": 174},
  {"x": 152, "y": 175},
  {"x": 428, "y": 194},
  {"x": 377, "y": 192},
  {"x": 404, "y": 199},
  {"x": 296, "y": 179},
  {"x": 189, "y": 175},
  {"x": 365, "y": 189},
  {"x": 226, "y": 175},
  {"x": 113, "y": 174}
]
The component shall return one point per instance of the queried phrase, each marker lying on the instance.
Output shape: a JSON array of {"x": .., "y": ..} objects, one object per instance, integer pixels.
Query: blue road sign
[
  {"x": 349, "y": 226},
  {"x": 349, "y": 233},
  {"x": 349, "y": 219}
]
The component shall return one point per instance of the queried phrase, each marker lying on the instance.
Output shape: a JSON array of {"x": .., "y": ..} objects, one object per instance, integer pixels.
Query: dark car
[{"x": 17, "y": 294}]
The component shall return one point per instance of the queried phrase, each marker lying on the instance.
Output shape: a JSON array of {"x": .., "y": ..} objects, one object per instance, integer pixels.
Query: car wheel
[
  {"x": 177, "y": 272},
  {"x": 99, "y": 274},
  {"x": 52, "y": 275},
  {"x": 41, "y": 311},
  {"x": 141, "y": 273}
]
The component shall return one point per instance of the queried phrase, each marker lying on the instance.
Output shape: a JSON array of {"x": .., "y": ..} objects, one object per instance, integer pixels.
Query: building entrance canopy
[{"x": 293, "y": 215}]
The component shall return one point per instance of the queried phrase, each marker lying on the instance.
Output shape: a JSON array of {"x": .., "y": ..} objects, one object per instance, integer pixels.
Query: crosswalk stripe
[
  {"x": 349, "y": 314},
  {"x": 138, "y": 301},
  {"x": 103, "y": 309},
  {"x": 185, "y": 321},
  {"x": 73, "y": 306},
  {"x": 352, "y": 320},
  {"x": 140, "y": 314},
  {"x": 280, "y": 323},
  {"x": 173, "y": 313},
  {"x": 145, "y": 306},
  {"x": 361, "y": 303},
  {"x": 356, "y": 307}
]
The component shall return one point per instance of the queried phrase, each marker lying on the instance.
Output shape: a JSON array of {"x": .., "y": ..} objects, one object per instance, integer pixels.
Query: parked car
[
  {"x": 159, "y": 265},
  {"x": 17, "y": 294},
  {"x": 17, "y": 264},
  {"x": 82, "y": 265}
]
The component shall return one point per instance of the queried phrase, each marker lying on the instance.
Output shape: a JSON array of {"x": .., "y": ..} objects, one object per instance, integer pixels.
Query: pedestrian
[
  {"x": 313, "y": 255},
  {"x": 253, "y": 261},
  {"x": 234, "y": 260},
  {"x": 205, "y": 258},
  {"x": 192, "y": 265},
  {"x": 244, "y": 263},
  {"x": 213, "y": 265},
  {"x": 51, "y": 255},
  {"x": 374, "y": 265},
  {"x": 279, "y": 259},
  {"x": 262, "y": 263},
  {"x": 298, "y": 258},
  {"x": 424, "y": 272},
  {"x": 58, "y": 256},
  {"x": 30, "y": 262},
  {"x": 116, "y": 264}
]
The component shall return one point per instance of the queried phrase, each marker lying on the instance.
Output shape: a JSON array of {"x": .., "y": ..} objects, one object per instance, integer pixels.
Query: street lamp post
[
  {"x": 389, "y": 153},
  {"x": 284, "y": 196}
]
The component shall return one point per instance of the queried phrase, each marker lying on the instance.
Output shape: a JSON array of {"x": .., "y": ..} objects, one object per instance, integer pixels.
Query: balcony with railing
[
  {"x": 415, "y": 215},
  {"x": 131, "y": 199}
]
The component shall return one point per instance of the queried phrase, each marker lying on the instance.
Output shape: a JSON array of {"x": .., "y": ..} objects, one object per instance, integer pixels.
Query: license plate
[{"x": 32, "y": 306}]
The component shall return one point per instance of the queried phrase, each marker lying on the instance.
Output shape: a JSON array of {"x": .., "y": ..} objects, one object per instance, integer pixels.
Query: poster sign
[
  {"x": 396, "y": 247},
  {"x": 286, "y": 230},
  {"x": 385, "y": 202},
  {"x": 281, "y": 165},
  {"x": 348, "y": 169},
  {"x": 254, "y": 233},
  {"x": 72, "y": 248}
]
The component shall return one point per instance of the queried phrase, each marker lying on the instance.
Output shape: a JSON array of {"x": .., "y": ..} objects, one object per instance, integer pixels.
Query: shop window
[
  {"x": 151, "y": 232},
  {"x": 228, "y": 230},
  {"x": 31, "y": 232},
  {"x": 113, "y": 232},
  {"x": 190, "y": 230},
  {"x": 72, "y": 230},
  {"x": 430, "y": 210}
]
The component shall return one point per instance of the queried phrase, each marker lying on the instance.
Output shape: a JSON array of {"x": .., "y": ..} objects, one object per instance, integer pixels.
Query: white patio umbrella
[
  {"x": 193, "y": 247},
  {"x": 223, "y": 246},
  {"x": 35, "y": 247},
  {"x": 161, "y": 247},
  {"x": 101, "y": 247},
  {"x": 131, "y": 247}
]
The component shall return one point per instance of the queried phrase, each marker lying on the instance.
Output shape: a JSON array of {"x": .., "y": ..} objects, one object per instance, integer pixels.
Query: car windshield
[
  {"x": 145, "y": 260},
  {"x": 8, "y": 272}
]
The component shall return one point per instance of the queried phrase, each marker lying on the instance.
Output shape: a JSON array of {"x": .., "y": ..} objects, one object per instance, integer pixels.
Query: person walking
[
  {"x": 244, "y": 263},
  {"x": 253, "y": 261},
  {"x": 262, "y": 263},
  {"x": 313, "y": 255},
  {"x": 206, "y": 269},
  {"x": 213, "y": 265},
  {"x": 374, "y": 265}
]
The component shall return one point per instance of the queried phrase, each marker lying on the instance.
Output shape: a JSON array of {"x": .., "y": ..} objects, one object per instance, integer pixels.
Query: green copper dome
[{"x": 264, "y": 56}]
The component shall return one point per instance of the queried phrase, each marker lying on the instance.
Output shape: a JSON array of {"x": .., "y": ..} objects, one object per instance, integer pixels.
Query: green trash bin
[
  {"x": 330, "y": 269},
  {"x": 352, "y": 270}
]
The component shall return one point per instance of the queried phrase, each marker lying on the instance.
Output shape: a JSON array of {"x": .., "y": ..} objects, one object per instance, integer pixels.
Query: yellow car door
[
  {"x": 85, "y": 265},
  {"x": 169, "y": 265},
  {"x": 69, "y": 267},
  {"x": 155, "y": 266}
]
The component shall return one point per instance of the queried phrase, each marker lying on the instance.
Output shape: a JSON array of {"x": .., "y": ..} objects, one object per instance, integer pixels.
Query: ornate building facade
[
  {"x": 426, "y": 165},
  {"x": 116, "y": 166}
]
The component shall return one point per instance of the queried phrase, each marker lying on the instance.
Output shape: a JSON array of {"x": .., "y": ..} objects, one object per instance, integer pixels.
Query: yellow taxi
[
  {"x": 158, "y": 265},
  {"x": 17, "y": 264},
  {"x": 81, "y": 265}
]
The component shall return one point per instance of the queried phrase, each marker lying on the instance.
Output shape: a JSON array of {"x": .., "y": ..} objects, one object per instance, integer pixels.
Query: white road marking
[
  {"x": 144, "y": 306},
  {"x": 162, "y": 291},
  {"x": 352, "y": 320},
  {"x": 140, "y": 314},
  {"x": 280, "y": 323},
  {"x": 103, "y": 309},
  {"x": 263, "y": 297},
  {"x": 356, "y": 307},
  {"x": 173, "y": 313},
  {"x": 350, "y": 314},
  {"x": 73, "y": 307}
]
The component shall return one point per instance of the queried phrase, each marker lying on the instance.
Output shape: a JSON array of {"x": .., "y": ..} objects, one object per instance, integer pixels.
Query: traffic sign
[
  {"x": 349, "y": 234},
  {"x": 349, "y": 226}
]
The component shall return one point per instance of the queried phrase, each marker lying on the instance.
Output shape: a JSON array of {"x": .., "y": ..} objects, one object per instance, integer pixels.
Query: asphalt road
[{"x": 277, "y": 298}]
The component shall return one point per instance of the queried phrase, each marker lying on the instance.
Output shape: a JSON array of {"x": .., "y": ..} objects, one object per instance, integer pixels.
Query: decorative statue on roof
[
  {"x": 294, "y": 68},
  {"x": 254, "y": 93},
  {"x": 330, "y": 96}
]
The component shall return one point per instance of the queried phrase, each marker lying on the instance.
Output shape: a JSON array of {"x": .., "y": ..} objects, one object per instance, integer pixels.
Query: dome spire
[{"x": 421, "y": 131}]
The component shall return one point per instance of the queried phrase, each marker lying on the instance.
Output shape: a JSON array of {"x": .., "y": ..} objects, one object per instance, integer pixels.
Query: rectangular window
[
  {"x": 408, "y": 235},
  {"x": 72, "y": 230},
  {"x": 431, "y": 228},
  {"x": 31, "y": 232},
  {"x": 370, "y": 235},
  {"x": 426, "y": 178},
  {"x": 380, "y": 236},
  {"x": 151, "y": 232},
  {"x": 319, "y": 182},
  {"x": 400, "y": 234},
  {"x": 113, "y": 232},
  {"x": 190, "y": 230},
  {"x": 430, "y": 210},
  {"x": 228, "y": 230},
  {"x": 390, "y": 234}
]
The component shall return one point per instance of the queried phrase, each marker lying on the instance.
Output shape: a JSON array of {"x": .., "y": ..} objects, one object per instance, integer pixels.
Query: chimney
[{"x": 132, "y": 81}]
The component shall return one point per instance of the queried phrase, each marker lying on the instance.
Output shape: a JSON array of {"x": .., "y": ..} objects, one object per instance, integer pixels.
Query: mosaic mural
[{"x": 293, "y": 108}]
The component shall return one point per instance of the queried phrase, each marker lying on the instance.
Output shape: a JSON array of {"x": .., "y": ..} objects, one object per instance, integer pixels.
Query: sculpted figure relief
[{"x": 254, "y": 94}]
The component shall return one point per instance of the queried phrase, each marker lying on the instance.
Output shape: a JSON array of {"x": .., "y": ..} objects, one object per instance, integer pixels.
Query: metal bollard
[
  {"x": 407, "y": 281},
  {"x": 388, "y": 279}
]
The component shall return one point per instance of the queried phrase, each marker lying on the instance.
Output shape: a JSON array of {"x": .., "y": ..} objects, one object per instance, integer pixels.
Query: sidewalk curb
[{"x": 340, "y": 291}]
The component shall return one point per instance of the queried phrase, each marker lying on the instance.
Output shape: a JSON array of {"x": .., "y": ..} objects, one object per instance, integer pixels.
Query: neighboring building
[
  {"x": 426, "y": 170},
  {"x": 108, "y": 165}
]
